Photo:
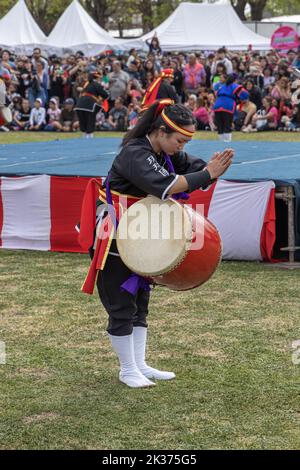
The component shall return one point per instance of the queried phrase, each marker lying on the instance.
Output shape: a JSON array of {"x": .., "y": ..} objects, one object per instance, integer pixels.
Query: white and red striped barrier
[{"x": 40, "y": 213}]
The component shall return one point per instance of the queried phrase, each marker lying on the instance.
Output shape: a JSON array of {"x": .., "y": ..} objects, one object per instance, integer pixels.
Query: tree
[
  {"x": 239, "y": 7},
  {"x": 283, "y": 7},
  {"x": 146, "y": 9},
  {"x": 5, "y": 6},
  {"x": 100, "y": 10},
  {"x": 122, "y": 16},
  {"x": 257, "y": 9},
  {"x": 47, "y": 13}
]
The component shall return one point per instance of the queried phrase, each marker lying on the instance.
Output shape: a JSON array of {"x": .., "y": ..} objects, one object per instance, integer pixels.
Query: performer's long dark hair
[{"x": 147, "y": 122}]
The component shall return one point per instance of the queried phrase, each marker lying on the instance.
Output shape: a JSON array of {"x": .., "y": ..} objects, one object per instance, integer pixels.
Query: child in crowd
[
  {"x": 37, "y": 118},
  {"x": 68, "y": 119},
  {"x": 53, "y": 114}
]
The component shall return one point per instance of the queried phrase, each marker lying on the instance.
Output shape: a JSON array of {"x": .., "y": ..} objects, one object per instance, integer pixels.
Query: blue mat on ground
[{"x": 93, "y": 157}]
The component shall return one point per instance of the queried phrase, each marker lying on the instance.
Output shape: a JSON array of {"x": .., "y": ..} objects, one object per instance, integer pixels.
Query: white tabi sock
[
  {"x": 227, "y": 137},
  {"x": 139, "y": 341},
  {"x": 221, "y": 136},
  {"x": 129, "y": 372}
]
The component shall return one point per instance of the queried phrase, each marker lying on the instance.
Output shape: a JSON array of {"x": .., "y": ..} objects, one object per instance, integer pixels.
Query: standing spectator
[
  {"x": 222, "y": 59},
  {"x": 118, "y": 81},
  {"x": 6, "y": 61},
  {"x": 209, "y": 62},
  {"x": 38, "y": 85},
  {"x": 25, "y": 77},
  {"x": 132, "y": 57},
  {"x": 194, "y": 75},
  {"x": 37, "y": 57},
  {"x": 57, "y": 81},
  {"x": 217, "y": 76},
  {"x": 178, "y": 80},
  {"x": 156, "y": 62},
  {"x": 37, "y": 118},
  {"x": 148, "y": 67},
  {"x": 43, "y": 78}
]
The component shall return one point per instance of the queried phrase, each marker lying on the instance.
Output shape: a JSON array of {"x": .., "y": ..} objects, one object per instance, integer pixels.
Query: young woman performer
[
  {"x": 89, "y": 103},
  {"x": 151, "y": 161}
]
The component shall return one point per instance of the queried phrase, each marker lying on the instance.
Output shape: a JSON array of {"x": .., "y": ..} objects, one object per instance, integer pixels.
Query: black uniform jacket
[
  {"x": 138, "y": 170},
  {"x": 87, "y": 102}
]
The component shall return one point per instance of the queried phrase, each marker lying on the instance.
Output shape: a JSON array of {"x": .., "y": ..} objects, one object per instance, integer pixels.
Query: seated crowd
[{"x": 42, "y": 92}]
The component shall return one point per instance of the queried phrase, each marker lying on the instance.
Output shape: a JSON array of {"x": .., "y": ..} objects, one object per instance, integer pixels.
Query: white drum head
[
  {"x": 153, "y": 236},
  {"x": 7, "y": 115}
]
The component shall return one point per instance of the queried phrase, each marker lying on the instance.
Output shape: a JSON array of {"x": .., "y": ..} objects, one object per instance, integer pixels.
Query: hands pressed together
[{"x": 219, "y": 163}]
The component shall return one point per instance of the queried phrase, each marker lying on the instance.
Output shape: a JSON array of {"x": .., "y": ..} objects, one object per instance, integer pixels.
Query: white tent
[
  {"x": 76, "y": 30},
  {"x": 196, "y": 26},
  {"x": 19, "y": 31},
  {"x": 283, "y": 19}
]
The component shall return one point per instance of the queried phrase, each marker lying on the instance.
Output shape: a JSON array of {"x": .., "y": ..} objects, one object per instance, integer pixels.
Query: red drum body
[{"x": 184, "y": 252}]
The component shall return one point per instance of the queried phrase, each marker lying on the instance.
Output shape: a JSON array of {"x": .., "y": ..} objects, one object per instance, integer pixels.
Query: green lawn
[
  {"x": 17, "y": 137},
  {"x": 229, "y": 343}
]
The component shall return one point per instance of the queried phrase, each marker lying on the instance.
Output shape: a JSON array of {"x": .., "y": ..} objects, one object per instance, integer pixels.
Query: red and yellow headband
[
  {"x": 175, "y": 127},
  {"x": 167, "y": 73}
]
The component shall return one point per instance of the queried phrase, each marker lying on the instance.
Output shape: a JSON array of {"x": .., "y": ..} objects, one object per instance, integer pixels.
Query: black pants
[
  {"x": 125, "y": 310},
  {"x": 223, "y": 122},
  {"x": 87, "y": 120}
]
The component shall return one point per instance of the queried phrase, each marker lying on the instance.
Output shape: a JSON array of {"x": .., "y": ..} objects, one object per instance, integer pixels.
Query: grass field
[
  {"x": 229, "y": 342},
  {"x": 18, "y": 137}
]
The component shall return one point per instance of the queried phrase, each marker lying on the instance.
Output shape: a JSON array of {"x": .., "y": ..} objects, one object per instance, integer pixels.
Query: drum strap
[
  {"x": 171, "y": 169},
  {"x": 116, "y": 203}
]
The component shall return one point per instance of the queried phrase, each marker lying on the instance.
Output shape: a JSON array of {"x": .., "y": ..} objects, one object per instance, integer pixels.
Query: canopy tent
[
  {"x": 195, "y": 26},
  {"x": 76, "y": 30},
  {"x": 19, "y": 31},
  {"x": 283, "y": 19}
]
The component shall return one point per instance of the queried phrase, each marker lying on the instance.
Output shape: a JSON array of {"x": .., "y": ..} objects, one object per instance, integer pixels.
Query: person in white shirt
[
  {"x": 221, "y": 59},
  {"x": 37, "y": 118}
]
